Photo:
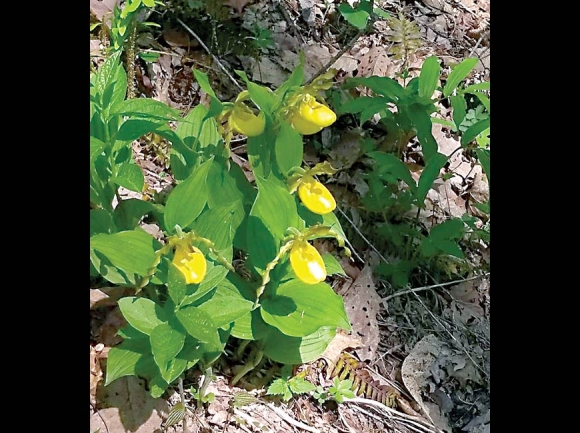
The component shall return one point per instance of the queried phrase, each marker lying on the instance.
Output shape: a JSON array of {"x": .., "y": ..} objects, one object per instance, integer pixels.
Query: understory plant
[
  {"x": 233, "y": 256},
  {"x": 407, "y": 111}
]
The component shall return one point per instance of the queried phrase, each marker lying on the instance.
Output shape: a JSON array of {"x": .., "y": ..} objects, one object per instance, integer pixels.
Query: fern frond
[{"x": 405, "y": 37}]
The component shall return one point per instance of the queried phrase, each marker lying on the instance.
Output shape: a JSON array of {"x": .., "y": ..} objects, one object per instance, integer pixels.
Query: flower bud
[
  {"x": 307, "y": 263},
  {"x": 244, "y": 121},
  {"x": 191, "y": 263},
  {"x": 316, "y": 197}
]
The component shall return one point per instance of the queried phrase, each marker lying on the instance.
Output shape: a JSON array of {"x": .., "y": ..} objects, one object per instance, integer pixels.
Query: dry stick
[
  {"x": 215, "y": 59},
  {"x": 419, "y": 289},
  {"x": 363, "y": 237},
  {"x": 291, "y": 421},
  {"x": 420, "y": 423}
]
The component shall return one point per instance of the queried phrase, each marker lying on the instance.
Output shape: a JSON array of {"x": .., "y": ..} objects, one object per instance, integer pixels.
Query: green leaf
[
  {"x": 146, "y": 108},
  {"x": 288, "y": 148},
  {"x": 187, "y": 200},
  {"x": 357, "y": 17},
  {"x": 428, "y": 176},
  {"x": 298, "y": 385},
  {"x": 148, "y": 56},
  {"x": 458, "y": 73},
  {"x": 129, "y": 212},
  {"x": 227, "y": 305},
  {"x": 229, "y": 185},
  {"x": 474, "y": 130},
  {"x": 97, "y": 148},
  {"x": 280, "y": 387},
  {"x": 198, "y": 324},
  {"x": 389, "y": 163},
  {"x": 174, "y": 369},
  {"x": 176, "y": 285},
  {"x": 142, "y": 314},
  {"x": 366, "y": 103},
  {"x": 275, "y": 206},
  {"x": 459, "y": 109},
  {"x": 477, "y": 87},
  {"x": 299, "y": 309},
  {"x": 203, "y": 82},
  {"x": 385, "y": 86},
  {"x": 266, "y": 100},
  {"x": 130, "y": 176},
  {"x": 484, "y": 159},
  {"x": 297, "y": 350},
  {"x": 421, "y": 119},
  {"x": 130, "y": 358},
  {"x": 332, "y": 265},
  {"x": 429, "y": 77},
  {"x": 133, "y": 251},
  {"x": 166, "y": 343},
  {"x": 295, "y": 79},
  {"x": 133, "y": 129},
  {"x": 101, "y": 222}
]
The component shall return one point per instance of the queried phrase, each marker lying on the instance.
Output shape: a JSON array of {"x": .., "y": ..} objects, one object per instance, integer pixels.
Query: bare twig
[
  {"x": 291, "y": 421},
  {"x": 420, "y": 424},
  {"x": 434, "y": 286},
  {"x": 215, "y": 59},
  {"x": 363, "y": 238}
]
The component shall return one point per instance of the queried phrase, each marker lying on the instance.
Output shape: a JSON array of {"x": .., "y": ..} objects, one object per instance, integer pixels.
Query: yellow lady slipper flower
[
  {"x": 307, "y": 262},
  {"x": 311, "y": 116},
  {"x": 316, "y": 197},
  {"x": 191, "y": 262},
  {"x": 244, "y": 121}
]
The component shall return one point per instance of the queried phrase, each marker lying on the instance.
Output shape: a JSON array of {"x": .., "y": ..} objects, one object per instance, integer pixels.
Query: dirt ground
[{"x": 426, "y": 347}]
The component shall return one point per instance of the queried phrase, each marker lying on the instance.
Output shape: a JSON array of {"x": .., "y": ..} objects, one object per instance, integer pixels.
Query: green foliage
[
  {"x": 338, "y": 391},
  {"x": 288, "y": 386},
  {"x": 173, "y": 325},
  {"x": 393, "y": 192}
]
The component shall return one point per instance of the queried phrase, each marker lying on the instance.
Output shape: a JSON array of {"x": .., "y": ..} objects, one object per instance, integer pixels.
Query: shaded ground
[{"x": 429, "y": 344}]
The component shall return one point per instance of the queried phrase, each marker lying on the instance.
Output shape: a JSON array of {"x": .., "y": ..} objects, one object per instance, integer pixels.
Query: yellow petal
[
  {"x": 307, "y": 263},
  {"x": 303, "y": 126},
  {"x": 244, "y": 121},
  {"x": 191, "y": 262},
  {"x": 316, "y": 197},
  {"x": 317, "y": 113}
]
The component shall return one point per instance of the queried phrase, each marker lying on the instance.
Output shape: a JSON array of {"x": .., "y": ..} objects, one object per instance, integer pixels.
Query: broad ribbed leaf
[
  {"x": 297, "y": 350},
  {"x": 429, "y": 77},
  {"x": 130, "y": 358},
  {"x": 474, "y": 130},
  {"x": 146, "y": 108},
  {"x": 288, "y": 147},
  {"x": 166, "y": 343},
  {"x": 187, "y": 200},
  {"x": 332, "y": 265},
  {"x": 130, "y": 176},
  {"x": 132, "y": 251},
  {"x": 458, "y": 73},
  {"x": 389, "y": 163},
  {"x": 142, "y": 314},
  {"x": 198, "y": 324},
  {"x": 382, "y": 85},
  {"x": 97, "y": 148},
  {"x": 299, "y": 309},
  {"x": 133, "y": 129},
  {"x": 428, "y": 176}
]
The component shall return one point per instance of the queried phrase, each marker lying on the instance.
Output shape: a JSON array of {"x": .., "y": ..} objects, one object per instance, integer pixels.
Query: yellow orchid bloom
[
  {"x": 191, "y": 262},
  {"x": 244, "y": 121},
  {"x": 315, "y": 196},
  {"x": 307, "y": 262},
  {"x": 311, "y": 116}
]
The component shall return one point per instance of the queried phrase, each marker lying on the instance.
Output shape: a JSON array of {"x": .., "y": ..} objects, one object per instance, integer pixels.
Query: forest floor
[{"x": 428, "y": 342}]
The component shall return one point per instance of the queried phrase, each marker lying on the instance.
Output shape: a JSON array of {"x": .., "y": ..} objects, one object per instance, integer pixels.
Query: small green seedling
[{"x": 288, "y": 386}]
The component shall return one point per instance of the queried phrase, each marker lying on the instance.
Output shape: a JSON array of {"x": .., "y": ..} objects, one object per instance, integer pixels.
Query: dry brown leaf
[
  {"x": 131, "y": 408},
  {"x": 101, "y": 7},
  {"x": 96, "y": 374},
  {"x": 415, "y": 368},
  {"x": 266, "y": 71},
  {"x": 362, "y": 303},
  {"x": 375, "y": 61},
  {"x": 341, "y": 341}
]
